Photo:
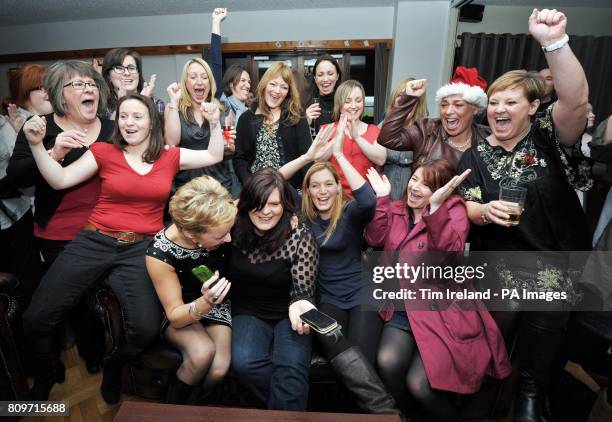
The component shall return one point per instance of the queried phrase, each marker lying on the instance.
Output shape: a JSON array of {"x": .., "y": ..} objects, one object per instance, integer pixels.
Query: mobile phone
[
  {"x": 320, "y": 322},
  {"x": 202, "y": 273}
]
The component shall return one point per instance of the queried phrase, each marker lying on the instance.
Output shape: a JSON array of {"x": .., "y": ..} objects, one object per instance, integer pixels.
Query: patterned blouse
[
  {"x": 184, "y": 260},
  {"x": 552, "y": 219},
  {"x": 267, "y": 148}
]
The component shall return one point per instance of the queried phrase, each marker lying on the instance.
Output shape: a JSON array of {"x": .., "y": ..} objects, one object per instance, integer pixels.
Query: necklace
[{"x": 460, "y": 146}]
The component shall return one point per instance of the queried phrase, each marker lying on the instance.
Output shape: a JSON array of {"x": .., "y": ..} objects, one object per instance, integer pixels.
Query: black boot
[
  {"x": 361, "y": 379},
  {"x": 539, "y": 345},
  {"x": 529, "y": 404},
  {"x": 111, "y": 379},
  {"x": 178, "y": 391},
  {"x": 43, "y": 370}
]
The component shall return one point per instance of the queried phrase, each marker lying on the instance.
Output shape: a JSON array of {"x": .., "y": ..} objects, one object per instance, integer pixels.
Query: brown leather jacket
[{"x": 426, "y": 138}]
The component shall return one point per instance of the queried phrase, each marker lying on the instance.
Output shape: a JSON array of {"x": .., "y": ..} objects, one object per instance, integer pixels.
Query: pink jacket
[{"x": 458, "y": 348}]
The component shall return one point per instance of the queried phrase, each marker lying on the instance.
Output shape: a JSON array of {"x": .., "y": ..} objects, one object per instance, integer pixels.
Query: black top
[
  {"x": 265, "y": 285},
  {"x": 553, "y": 219},
  {"x": 183, "y": 261},
  {"x": 340, "y": 269},
  {"x": 326, "y": 102},
  {"x": 196, "y": 137},
  {"x": 293, "y": 141},
  {"x": 23, "y": 172}
]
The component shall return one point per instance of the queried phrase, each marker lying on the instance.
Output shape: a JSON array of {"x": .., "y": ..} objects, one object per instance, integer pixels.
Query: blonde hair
[
  {"x": 343, "y": 92},
  {"x": 309, "y": 211},
  {"x": 185, "y": 103},
  {"x": 291, "y": 103},
  {"x": 532, "y": 83},
  {"x": 200, "y": 204},
  {"x": 420, "y": 111}
]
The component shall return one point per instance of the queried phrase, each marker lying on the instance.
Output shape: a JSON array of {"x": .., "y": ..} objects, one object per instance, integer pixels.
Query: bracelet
[
  {"x": 483, "y": 215},
  {"x": 171, "y": 106},
  {"x": 193, "y": 311},
  {"x": 556, "y": 45}
]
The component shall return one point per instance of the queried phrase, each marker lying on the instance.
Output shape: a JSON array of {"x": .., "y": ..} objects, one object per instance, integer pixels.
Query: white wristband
[{"x": 556, "y": 45}]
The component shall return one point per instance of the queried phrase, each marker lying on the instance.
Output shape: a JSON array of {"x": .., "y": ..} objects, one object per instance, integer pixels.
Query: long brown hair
[
  {"x": 309, "y": 211},
  {"x": 291, "y": 103},
  {"x": 156, "y": 140}
]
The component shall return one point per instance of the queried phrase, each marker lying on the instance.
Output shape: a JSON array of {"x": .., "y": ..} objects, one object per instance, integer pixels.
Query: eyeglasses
[
  {"x": 38, "y": 88},
  {"x": 121, "y": 69},
  {"x": 80, "y": 85}
]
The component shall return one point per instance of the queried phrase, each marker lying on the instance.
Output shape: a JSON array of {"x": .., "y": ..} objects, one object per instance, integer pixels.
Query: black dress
[
  {"x": 184, "y": 260},
  {"x": 553, "y": 219}
]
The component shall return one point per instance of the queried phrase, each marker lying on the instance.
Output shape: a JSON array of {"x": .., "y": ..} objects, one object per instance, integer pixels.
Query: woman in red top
[
  {"x": 424, "y": 351},
  {"x": 360, "y": 146},
  {"x": 136, "y": 174}
]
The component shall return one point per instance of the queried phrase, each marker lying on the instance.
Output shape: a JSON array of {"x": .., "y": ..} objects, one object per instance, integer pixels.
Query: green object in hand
[{"x": 202, "y": 273}]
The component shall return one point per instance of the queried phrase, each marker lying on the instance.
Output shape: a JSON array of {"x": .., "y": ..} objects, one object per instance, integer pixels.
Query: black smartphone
[{"x": 320, "y": 322}]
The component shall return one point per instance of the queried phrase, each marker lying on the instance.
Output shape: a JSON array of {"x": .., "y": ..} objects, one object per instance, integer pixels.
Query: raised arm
[
  {"x": 193, "y": 159},
  {"x": 172, "y": 122},
  {"x": 57, "y": 176},
  {"x": 216, "y": 55},
  {"x": 376, "y": 231},
  {"x": 353, "y": 178},
  {"x": 320, "y": 150},
  {"x": 168, "y": 288},
  {"x": 570, "y": 110},
  {"x": 393, "y": 133}
]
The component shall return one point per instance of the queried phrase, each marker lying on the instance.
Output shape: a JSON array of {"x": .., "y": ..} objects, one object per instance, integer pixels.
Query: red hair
[
  {"x": 436, "y": 173},
  {"x": 30, "y": 78}
]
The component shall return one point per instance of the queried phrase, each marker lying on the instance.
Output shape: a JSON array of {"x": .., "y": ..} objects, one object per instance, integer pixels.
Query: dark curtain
[
  {"x": 495, "y": 54},
  {"x": 381, "y": 63}
]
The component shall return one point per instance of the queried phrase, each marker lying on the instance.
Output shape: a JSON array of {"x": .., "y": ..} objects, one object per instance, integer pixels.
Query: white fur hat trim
[{"x": 472, "y": 94}]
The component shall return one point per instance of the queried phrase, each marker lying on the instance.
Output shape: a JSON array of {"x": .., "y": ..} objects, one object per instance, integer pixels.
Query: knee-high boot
[
  {"x": 361, "y": 379},
  {"x": 540, "y": 341}
]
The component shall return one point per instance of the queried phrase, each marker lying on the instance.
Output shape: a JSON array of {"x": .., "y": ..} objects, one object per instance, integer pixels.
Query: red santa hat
[{"x": 467, "y": 83}]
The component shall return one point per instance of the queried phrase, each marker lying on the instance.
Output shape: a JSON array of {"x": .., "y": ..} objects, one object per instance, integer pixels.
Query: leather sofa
[{"x": 148, "y": 375}]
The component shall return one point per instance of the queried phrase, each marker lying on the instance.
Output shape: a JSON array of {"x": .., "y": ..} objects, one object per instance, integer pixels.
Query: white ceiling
[
  {"x": 550, "y": 4},
  {"x": 20, "y": 12}
]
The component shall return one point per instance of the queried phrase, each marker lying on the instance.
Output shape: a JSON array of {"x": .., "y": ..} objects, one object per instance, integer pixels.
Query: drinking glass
[{"x": 515, "y": 196}]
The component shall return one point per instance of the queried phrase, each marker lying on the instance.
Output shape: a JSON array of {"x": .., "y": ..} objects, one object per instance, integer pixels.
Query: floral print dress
[{"x": 552, "y": 220}]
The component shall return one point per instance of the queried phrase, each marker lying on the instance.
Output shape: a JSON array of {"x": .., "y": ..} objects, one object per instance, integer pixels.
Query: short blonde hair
[
  {"x": 532, "y": 83},
  {"x": 420, "y": 111},
  {"x": 343, "y": 92},
  {"x": 201, "y": 204},
  {"x": 291, "y": 104},
  {"x": 186, "y": 102}
]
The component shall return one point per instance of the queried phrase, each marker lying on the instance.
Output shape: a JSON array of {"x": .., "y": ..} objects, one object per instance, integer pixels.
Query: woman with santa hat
[{"x": 445, "y": 137}]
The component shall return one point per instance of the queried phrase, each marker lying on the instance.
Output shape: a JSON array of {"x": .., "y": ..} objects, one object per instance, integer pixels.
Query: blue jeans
[{"x": 272, "y": 360}]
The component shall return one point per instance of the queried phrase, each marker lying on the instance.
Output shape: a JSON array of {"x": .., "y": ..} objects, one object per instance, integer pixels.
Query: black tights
[
  {"x": 360, "y": 328},
  {"x": 401, "y": 369}
]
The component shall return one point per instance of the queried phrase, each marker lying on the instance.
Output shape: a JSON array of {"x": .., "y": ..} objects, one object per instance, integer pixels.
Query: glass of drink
[
  {"x": 228, "y": 122},
  {"x": 515, "y": 198}
]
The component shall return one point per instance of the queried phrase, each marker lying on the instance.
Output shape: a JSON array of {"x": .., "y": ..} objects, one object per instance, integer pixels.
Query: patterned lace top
[
  {"x": 183, "y": 260},
  {"x": 264, "y": 285},
  {"x": 552, "y": 218},
  {"x": 267, "y": 148}
]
